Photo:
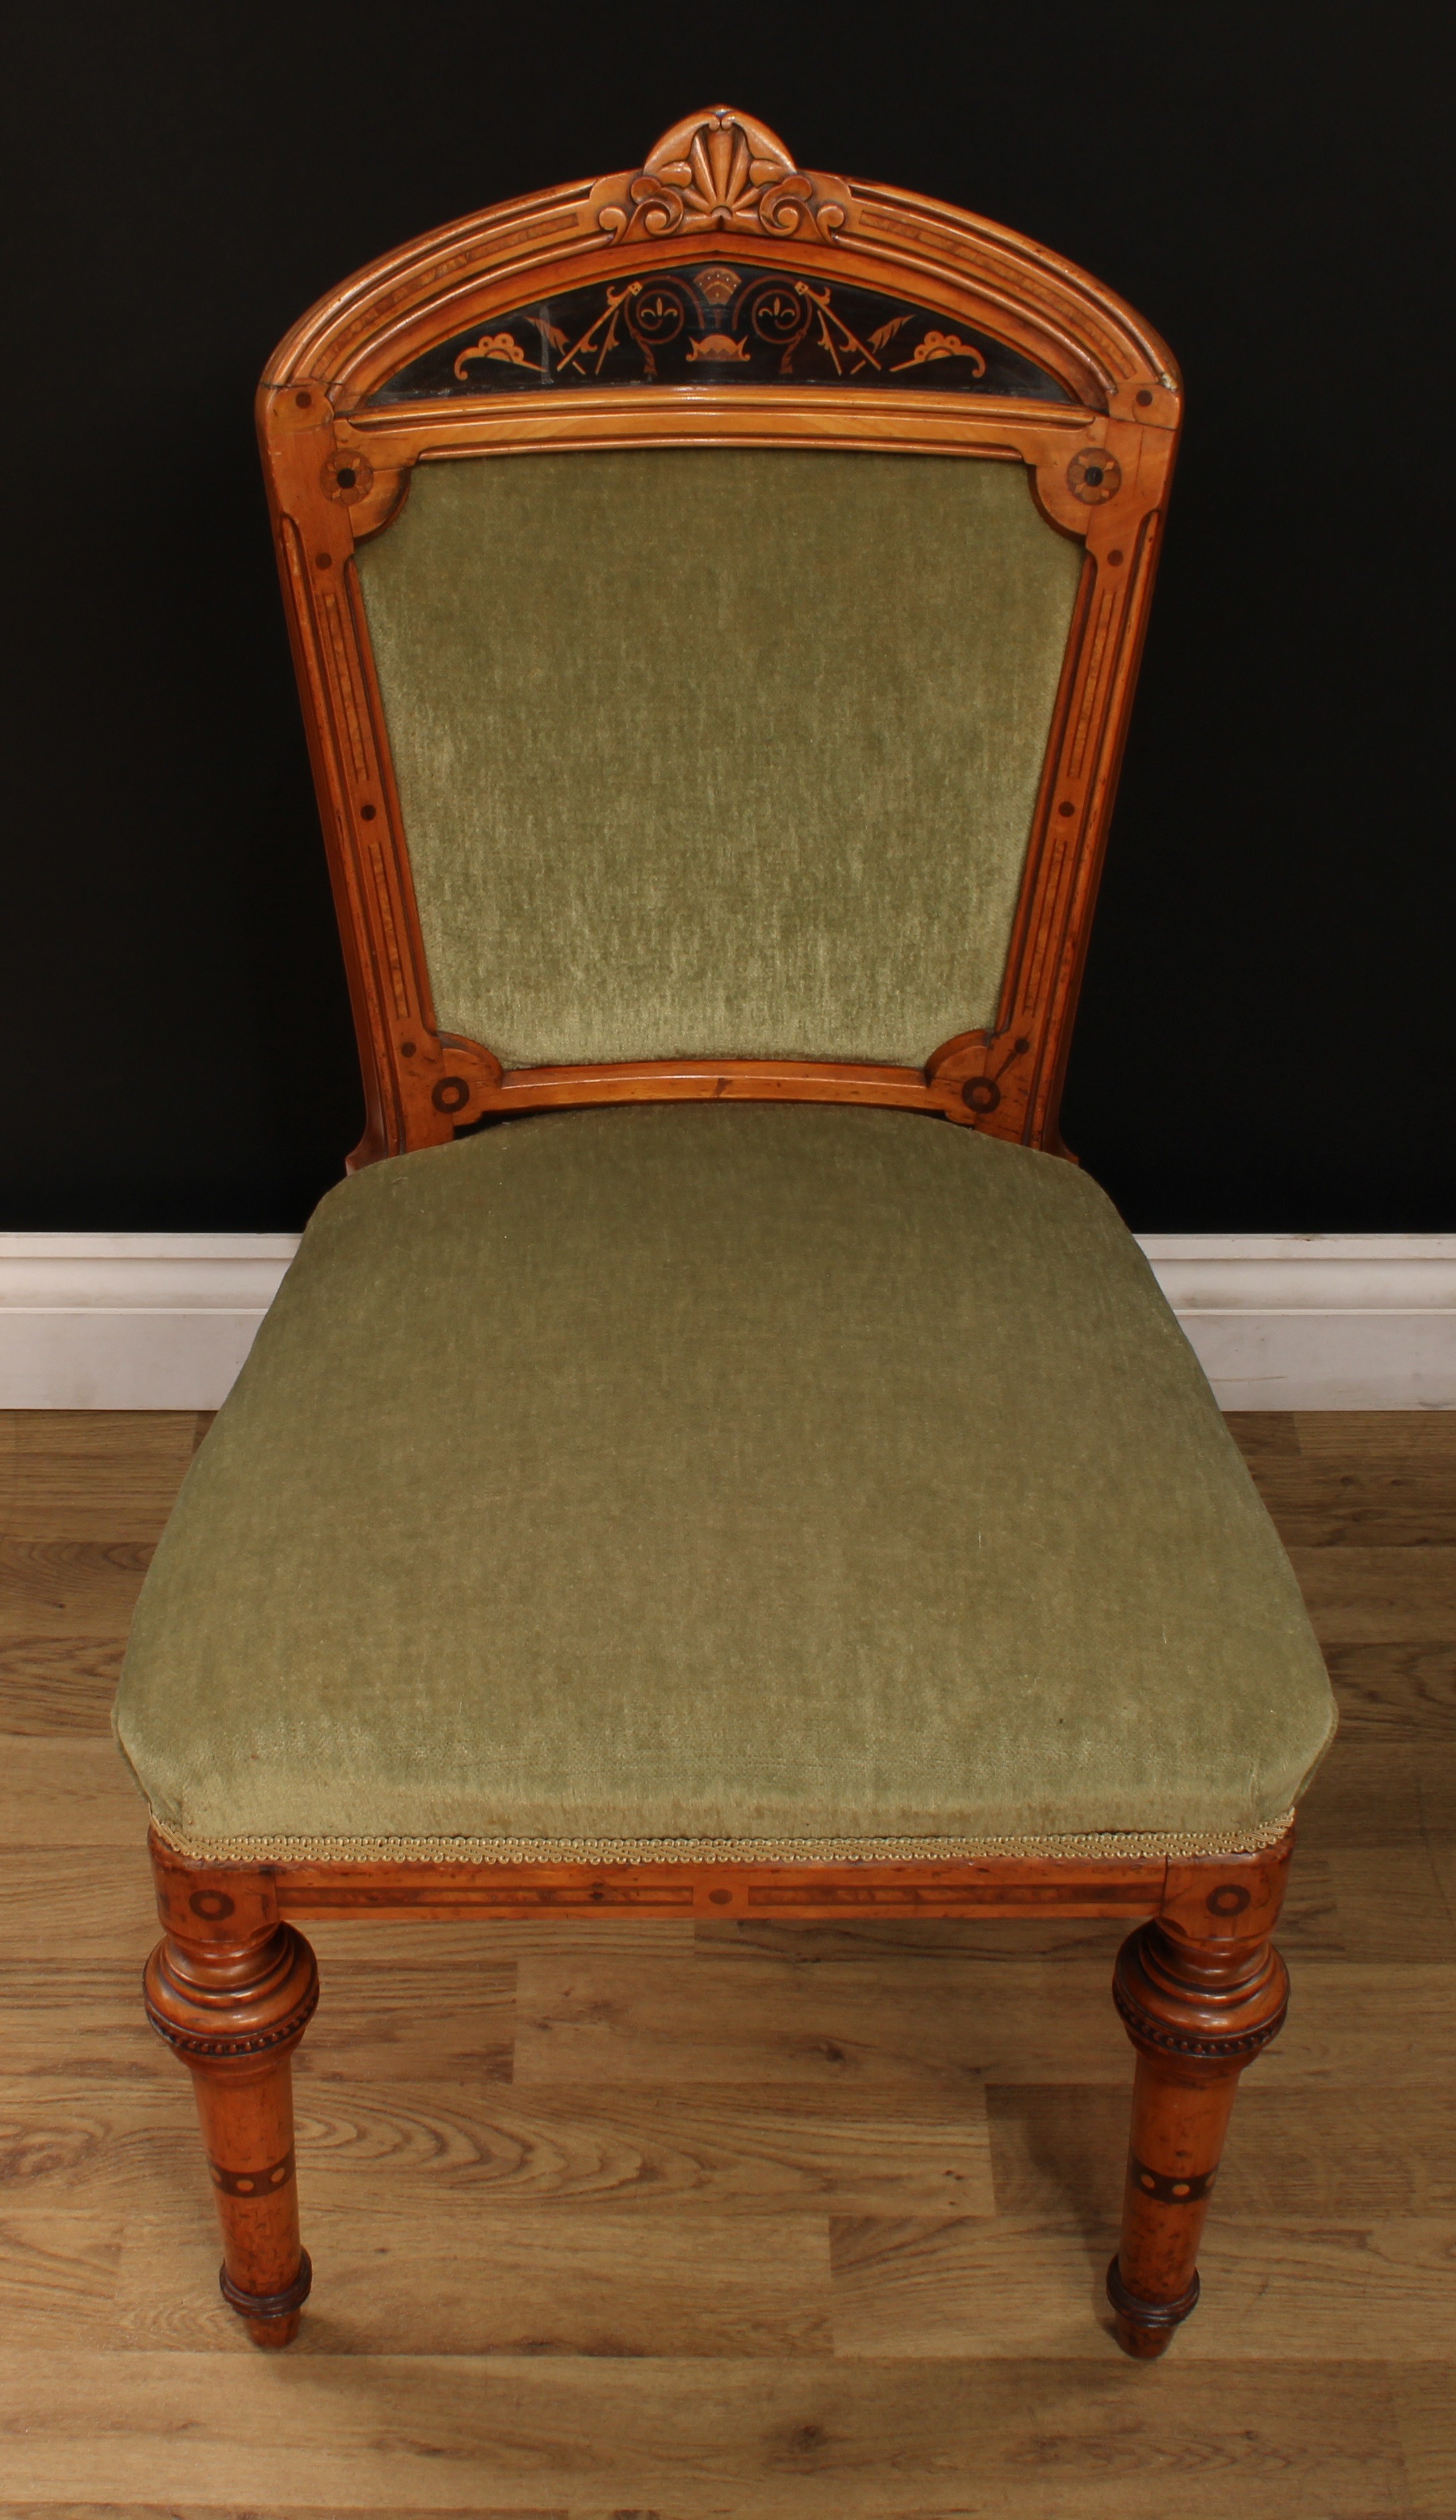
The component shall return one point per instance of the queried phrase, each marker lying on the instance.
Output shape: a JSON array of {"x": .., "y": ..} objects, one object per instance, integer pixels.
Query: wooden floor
[{"x": 748, "y": 2221}]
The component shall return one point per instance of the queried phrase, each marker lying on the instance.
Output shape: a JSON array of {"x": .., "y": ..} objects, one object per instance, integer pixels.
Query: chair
[{"x": 715, "y": 1454}]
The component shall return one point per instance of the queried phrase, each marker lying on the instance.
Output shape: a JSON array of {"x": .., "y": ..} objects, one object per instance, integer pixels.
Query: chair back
[{"x": 753, "y": 729}]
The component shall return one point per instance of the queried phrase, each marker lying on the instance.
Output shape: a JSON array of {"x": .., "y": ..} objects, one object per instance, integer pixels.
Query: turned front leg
[
  {"x": 234, "y": 2012},
  {"x": 1197, "y": 2013}
]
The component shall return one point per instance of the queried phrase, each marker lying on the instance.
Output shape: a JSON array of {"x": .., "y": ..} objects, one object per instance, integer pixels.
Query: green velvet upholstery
[
  {"x": 714, "y": 751},
  {"x": 770, "y": 1474}
]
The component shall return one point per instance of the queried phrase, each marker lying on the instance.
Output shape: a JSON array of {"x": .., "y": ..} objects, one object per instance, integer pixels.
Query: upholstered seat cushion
[{"x": 720, "y": 1473}]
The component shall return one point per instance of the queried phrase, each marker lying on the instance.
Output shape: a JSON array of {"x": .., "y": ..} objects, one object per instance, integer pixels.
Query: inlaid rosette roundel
[
  {"x": 348, "y": 476},
  {"x": 1094, "y": 475}
]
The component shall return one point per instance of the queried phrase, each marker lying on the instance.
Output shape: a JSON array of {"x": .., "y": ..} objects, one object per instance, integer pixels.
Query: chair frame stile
[{"x": 1199, "y": 1986}]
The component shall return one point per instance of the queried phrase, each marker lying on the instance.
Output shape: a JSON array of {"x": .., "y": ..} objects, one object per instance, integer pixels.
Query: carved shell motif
[{"x": 719, "y": 169}]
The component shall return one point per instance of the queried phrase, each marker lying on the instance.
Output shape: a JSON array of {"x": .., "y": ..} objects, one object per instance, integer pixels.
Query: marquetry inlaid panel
[{"x": 721, "y": 322}]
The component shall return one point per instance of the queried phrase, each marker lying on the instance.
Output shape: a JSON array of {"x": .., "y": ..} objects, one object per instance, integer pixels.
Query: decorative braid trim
[{"x": 1109, "y": 1846}]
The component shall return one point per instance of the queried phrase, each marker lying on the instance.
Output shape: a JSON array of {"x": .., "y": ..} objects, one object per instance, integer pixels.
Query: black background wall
[{"x": 1264, "y": 1040}]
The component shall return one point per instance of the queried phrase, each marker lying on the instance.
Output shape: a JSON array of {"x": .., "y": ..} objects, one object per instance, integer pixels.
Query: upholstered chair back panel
[{"x": 717, "y": 752}]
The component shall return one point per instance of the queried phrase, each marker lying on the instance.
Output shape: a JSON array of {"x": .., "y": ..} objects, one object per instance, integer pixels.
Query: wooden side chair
[{"x": 716, "y": 1456}]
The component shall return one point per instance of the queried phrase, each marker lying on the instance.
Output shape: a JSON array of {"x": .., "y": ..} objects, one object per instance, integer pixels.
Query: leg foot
[
  {"x": 1145, "y": 2328},
  {"x": 271, "y": 2319}
]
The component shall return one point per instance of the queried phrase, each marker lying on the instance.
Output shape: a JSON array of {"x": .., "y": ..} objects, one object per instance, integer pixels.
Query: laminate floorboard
[{"x": 676, "y": 2222}]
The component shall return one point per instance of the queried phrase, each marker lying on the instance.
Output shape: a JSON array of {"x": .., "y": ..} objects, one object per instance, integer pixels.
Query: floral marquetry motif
[{"x": 716, "y": 324}]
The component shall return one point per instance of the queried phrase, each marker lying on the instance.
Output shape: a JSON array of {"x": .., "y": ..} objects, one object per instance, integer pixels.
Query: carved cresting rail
[
  {"x": 721, "y": 170},
  {"x": 718, "y": 295}
]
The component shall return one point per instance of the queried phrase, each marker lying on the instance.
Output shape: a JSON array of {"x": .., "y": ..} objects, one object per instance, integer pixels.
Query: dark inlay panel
[{"x": 715, "y": 323}]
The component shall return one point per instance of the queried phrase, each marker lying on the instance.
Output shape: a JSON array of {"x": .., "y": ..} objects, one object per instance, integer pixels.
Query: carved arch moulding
[
  {"x": 721, "y": 182},
  {"x": 717, "y": 294}
]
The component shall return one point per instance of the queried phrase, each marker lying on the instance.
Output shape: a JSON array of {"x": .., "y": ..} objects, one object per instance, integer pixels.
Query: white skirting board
[
  {"x": 1316, "y": 1321},
  {"x": 1278, "y": 1320}
]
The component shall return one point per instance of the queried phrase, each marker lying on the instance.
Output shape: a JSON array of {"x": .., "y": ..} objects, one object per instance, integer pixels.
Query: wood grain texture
[
  {"x": 1394, "y": 1692},
  {"x": 56, "y": 1790},
  {"x": 176, "y": 2510},
  {"x": 1369, "y": 1904},
  {"x": 858, "y": 2025},
  {"x": 384, "y": 2147},
  {"x": 1380, "y": 1794},
  {"x": 1364, "y": 1437},
  {"x": 1424, "y": 2398},
  {"x": 741, "y": 2217},
  {"x": 1392, "y": 1505},
  {"x": 59, "y": 1683},
  {"x": 1013, "y": 2286},
  {"x": 1333, "y": 2154},
  {"x": 697, "y": 2438},
  {"x": 50, "y": 1587},
  {"x": 519, "y": 2281},
  {"x": 82, "y": 1474},
  {"x": 1379, "y": 1596},
  {"x": 1265, "y": 1434}
]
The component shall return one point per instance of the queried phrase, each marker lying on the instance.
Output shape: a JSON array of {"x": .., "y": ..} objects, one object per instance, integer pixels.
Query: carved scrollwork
[{"x": 720, "y": 169}]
